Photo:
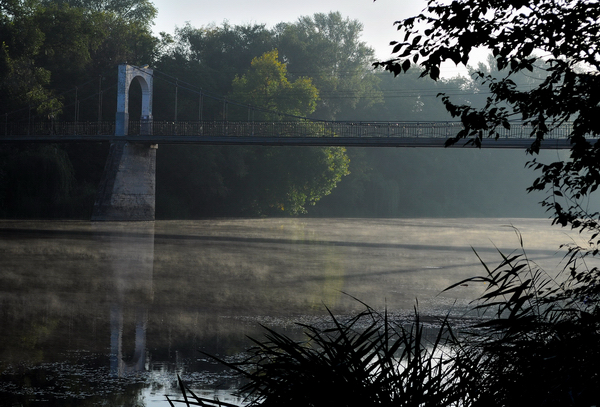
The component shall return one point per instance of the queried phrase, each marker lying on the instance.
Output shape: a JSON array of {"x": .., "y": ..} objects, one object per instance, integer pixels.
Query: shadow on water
[
  {"x": 54, "y": 234},
  {"x": 109, "y": 313}
]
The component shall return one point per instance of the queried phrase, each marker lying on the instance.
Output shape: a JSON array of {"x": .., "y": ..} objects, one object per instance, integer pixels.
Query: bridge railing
[
  {"x": 332, "y": 129},
  {"x": 269, "y": 129},
  {"x": 49, "y": 128},
  {"x": 303, "y": 129}
]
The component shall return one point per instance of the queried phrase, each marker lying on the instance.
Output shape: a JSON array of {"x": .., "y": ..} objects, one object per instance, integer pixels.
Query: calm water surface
[{"x": 109, "y": 313}]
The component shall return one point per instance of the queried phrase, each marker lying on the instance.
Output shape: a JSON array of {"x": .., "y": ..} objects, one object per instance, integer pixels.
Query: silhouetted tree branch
[{"x": 559, "y": 37}]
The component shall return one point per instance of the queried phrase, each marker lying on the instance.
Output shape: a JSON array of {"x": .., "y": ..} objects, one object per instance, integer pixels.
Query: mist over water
[
  {"x": 111, "y": 312},
  {"x": 439, "y": 182}
]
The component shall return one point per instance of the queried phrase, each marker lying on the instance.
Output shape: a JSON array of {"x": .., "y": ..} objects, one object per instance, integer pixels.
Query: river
[{"x": 109, "y": 313}]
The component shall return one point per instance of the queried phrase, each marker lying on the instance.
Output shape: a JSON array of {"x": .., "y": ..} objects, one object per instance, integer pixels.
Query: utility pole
[
  {"x": 200, "y": 106},
  {"x": 76, "y": 102},
  {"x": 99, "y": 102},
  {"x": 176, "y": 92}
]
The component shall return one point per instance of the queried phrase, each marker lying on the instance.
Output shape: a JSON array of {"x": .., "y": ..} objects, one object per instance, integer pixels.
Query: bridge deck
[
  {"x": 367, "y": 134},
  {"x": 420, "y": 142}
]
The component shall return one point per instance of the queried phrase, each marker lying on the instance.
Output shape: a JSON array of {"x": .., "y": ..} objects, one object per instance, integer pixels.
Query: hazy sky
[{"x": 377, "y": 17}]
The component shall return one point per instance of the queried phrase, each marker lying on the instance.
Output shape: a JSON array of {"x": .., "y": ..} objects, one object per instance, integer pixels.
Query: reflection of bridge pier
[
  {"x": 118, "y": 365},
  {"x": 131, "y": 256}
]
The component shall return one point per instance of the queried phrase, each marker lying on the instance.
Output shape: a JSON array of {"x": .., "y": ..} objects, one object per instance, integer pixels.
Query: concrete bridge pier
[
  {"x": 127, "y": 188},
  {"x": 128, "y": 185}
]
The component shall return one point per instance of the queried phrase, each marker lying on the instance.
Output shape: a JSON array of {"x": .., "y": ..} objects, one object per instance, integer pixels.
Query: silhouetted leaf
[{"x": 405, "y": 65}]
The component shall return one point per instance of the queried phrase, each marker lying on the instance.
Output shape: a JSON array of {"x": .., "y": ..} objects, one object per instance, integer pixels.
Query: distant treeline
[{"x": 58, "y": 61}]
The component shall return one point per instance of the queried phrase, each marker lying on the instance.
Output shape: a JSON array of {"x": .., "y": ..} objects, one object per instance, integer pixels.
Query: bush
[
  {"x": 364, "y": 360},
  {"x": 540, "y": 345}
]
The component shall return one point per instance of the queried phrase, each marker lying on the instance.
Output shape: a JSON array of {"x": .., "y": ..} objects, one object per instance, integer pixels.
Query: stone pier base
[{"x": 127, "y": 188}]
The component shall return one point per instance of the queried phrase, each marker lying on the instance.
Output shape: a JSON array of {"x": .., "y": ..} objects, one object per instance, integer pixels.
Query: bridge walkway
[{"x": 291, "y": 133}]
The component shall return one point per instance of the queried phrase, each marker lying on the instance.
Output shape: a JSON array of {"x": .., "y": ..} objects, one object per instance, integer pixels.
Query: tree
[
  {"x": 209, "y": 58},
  {"x": 324, "y": 47},
  {"x": 266, "y": 85},
  {"x": 412, "y": 98},
  {"x": 22, "y": 83},
  {"x": 327, "y": 48},
  {"x": 285, "y": 180},
  {"x": 46, "y": 50},
  {"x": 559, "y": 37},
  {"x": 255, "y": 181},
  {"x": 138, "y": 11}
]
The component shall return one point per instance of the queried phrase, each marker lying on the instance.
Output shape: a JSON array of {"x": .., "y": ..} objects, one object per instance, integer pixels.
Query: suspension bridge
[
  {"x": 275, "y": 133},
  {"x": 127, "y": 188},
  {"x": 285, "y": 130}
]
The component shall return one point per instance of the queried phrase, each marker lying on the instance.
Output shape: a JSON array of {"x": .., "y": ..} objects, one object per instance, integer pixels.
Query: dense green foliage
[
  {"x": 327, "y": 47},
  {"x": 47, "y": 49},
  {"x": 252, "y": 180},
  {"x": 266, "y": 85},
  {"x": 58, "y": 62}
]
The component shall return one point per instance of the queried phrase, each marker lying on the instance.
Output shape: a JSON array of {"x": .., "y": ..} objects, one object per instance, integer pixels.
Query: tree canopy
[
  {"x": 139, "y": 11},
  {"x": 260, "y": 181},
  {"x": 59, "y": 57},
  {"x": 47, "y": 50},
  {"x": 266, "y": 85},
  {"x": 328, "y": 48},
  {"x": 48, "y": 47}
]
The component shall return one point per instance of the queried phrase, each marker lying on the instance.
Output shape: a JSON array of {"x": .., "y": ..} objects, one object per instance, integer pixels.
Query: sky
[{"x": 377, "y": 17}]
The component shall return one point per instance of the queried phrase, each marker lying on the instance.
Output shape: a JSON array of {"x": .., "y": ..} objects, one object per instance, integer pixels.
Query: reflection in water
[
  {"x": 109, "y": 313},
  {"x": 131, "y": 251},
  {"x": 68, "y": 292},
  {"x": 118, "y": 366}
]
